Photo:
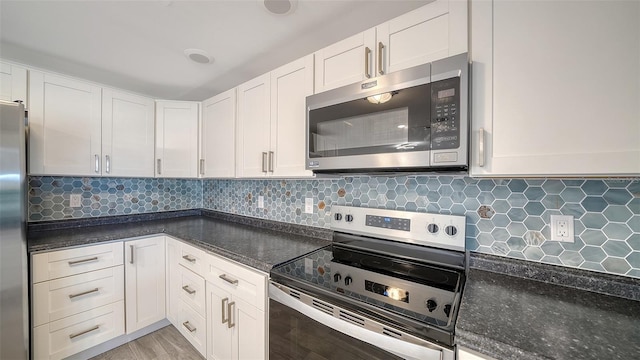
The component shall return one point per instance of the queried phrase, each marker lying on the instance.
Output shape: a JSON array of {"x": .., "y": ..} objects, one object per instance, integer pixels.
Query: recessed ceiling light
[
  {"x": 280, "y": 7},
  {"x": 198, "y": 55}
]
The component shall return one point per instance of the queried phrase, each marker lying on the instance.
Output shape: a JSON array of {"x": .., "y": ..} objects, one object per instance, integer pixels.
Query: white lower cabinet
[
  {"x": 145, "y": 282},
  {"x": 77, "y": 299},
  {"x": 464, "y": 354},
  {"x": 235, "y": 328}
]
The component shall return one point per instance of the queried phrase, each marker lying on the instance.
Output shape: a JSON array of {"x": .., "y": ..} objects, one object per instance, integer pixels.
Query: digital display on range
[
  {"x": 388, "y": 291},
  {"x": 386, "y": 222}
]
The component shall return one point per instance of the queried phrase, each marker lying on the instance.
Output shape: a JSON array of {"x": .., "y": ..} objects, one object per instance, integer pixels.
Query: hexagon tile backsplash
[{"x": 508, "y": 217}]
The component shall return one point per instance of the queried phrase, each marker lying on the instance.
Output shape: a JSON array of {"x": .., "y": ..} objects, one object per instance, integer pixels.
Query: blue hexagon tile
[
  {"x": 49, "y": 197},
  {"x": 508, "y": 217}
]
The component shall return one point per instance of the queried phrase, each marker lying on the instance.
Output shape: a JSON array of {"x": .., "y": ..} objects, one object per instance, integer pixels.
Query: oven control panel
[{"x": 436, "y": 230}]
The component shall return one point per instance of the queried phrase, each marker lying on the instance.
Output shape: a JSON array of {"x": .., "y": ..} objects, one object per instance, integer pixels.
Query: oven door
[{"x": 301, "y": 326}]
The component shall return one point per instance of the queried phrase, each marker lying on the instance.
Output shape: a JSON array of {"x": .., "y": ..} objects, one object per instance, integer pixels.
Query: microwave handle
[
  {"x": 367, "y": 55},
  {"x": 481, "y": 147},
  {"x": 398, "y": 347}
]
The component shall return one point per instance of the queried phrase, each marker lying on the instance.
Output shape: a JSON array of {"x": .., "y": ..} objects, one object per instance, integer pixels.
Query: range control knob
[
  {"x": 349, "y": 218},
  {"x": 433, "y": 228},
  {"x": 451, "y": 230},
  {"x": 337, "y": 216},
  {"x": 431, "y": 305},
  {"x": 337, "y": 277},
  {"x": 348, "y": 280},
  {"x": 447, "y": 309}
]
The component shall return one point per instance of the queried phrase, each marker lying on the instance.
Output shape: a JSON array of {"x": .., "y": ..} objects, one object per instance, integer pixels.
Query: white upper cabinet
[
  {"x": 434, "y": 31},
  {"x": 13, "y": 83},
  {"x": 271, "y": 121},
  {"x": 290, "y": 85},
  {"x": 127, "y": 134},
  {"x": 429, "y": 33},
  {"x": 217, "y": 136},
  {"x": 345, "y": 62},
  {"x": 64, "y": 126},
  {"x": 177, "y": 139},
  {"x": 556, "y": 88}
]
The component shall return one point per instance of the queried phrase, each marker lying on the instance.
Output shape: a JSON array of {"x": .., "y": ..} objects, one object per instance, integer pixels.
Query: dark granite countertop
[
  {"x": 517, "y": 317},
  {"x": 260, "y": 244}
]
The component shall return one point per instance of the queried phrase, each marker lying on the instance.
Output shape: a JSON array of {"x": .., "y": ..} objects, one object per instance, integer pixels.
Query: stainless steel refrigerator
[{"x": 14, "y": 328}]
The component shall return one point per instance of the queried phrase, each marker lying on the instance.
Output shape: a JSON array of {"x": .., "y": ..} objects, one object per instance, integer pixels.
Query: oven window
[
  {"x": 292, "y": 335},
  {"x": 361, "y": 127}
]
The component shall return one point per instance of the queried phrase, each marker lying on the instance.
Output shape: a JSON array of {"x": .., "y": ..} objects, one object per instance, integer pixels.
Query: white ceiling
[{"x": 139, "y": 45}]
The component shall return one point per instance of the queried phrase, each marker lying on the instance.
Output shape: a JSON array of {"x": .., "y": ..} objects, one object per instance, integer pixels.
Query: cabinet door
[
  {"x": 548, "y": 95},
  {"x": 173, "y": 280},
  {"x": 64, "y": 126},
  {"x": 217, "y": 136},
  {"x": 249, "y": 334},
  {"x": 290, "y": 85},
  {"x": 219, "y": 334},
  {"x": 254, "y": 125},
  {"x": 13, "y": 83},
  {"x": 144, "y": 282},
  {"x": 345, "y": 62},
  {"x": 176, "y": 139},
  {"x": 127, "y": 134},
  {"x": 432, "y": 32}
]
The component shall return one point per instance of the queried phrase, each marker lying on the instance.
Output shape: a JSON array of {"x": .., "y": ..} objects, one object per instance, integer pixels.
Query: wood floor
[{"x": 164, "y": 344}]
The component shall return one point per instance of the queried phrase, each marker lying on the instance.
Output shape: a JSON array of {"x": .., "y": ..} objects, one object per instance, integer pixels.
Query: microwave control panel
[{"x": 445, "y": 117}]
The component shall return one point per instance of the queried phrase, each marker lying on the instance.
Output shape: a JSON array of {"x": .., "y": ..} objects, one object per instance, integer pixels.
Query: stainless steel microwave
[{"x": 412, "y": 120}]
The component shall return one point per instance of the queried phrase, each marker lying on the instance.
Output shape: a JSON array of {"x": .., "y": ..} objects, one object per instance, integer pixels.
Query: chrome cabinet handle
[
  {"x": 481, "y": 147},
  {"x": 189, "y": 258},
  {"x": 270, "y": 161},
  {"x": 188, "y": 290},
  {"x": 201, "y": 166},
  {"x": 97, "y": 157},
  {"x": 76, "y": 262},
  {"x": 224, "y": 307},
  {"x": 84, "y": 332},
  {"x": 71, "y": 296},
  {"x": 229, "y": 280},
  {"x": 367, "y": 54},
  {"x": 188, "y": 326},
  {"x": 159, "y": 166},
  {"x": 380, "y": 49},
  {"x": 230, "y": 324},
  {"x": 107, "y": 163},
  {"x": 264, "y": 162},
  {"x": 131, "y": 260}
]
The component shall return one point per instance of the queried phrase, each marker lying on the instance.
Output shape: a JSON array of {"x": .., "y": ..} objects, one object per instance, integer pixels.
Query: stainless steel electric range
[{"x": 388, "y": 287}]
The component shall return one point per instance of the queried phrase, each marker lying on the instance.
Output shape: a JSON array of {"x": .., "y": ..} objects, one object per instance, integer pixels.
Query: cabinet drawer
[
  {"x": 56, "y": 299},
  {"x": 57, "y": 264},
  {"x": 241, "y": 282},
  {"x": 65, "y": 337},
  {"x": 193, "y": 327},
  {"x": 191, "y": 290},
  {"x": 192, "y": 258}
]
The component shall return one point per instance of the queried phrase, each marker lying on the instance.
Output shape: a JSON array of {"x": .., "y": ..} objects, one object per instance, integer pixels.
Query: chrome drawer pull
[
  {"x": 76, "y": 262},
  {"x": 229, "y": 280},
  {"x": 188, "y": 326},
  {"x": 188, "y": 289},
  {"x": 83, "y": 293},
  {"x": 224, "y": 307},
  {"x": 189, "y": 258},
  {"x": 84, "y": 332},
  {"x": 231, "y": 324}
]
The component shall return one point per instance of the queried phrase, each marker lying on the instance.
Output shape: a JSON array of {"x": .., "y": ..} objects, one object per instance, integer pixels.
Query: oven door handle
[{"x": 398, "y": 347}]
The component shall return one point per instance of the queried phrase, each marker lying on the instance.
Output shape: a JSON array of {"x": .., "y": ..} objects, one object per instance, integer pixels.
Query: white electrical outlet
[
  {"x": 308, "y": 205},
  {"x": 308, "y": 266},
  {"x": 75, "y": 200},
  {"x": 562, "y": 228},
  {"x": 260, "y": 202}
]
